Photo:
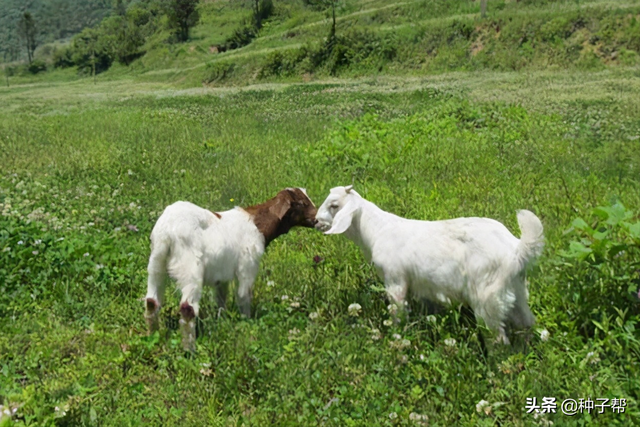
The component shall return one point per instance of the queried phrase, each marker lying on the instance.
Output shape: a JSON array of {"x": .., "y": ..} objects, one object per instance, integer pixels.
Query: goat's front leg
[
  {"x": 246, "y": 278},
  {"x": 397, "y": 288}
]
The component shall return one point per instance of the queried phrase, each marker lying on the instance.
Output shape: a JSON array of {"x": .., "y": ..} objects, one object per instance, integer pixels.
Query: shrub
[
  {"x": 37, "y": 66},
  {"x": 601, "y": 277},
  {"x": 62, "y": 57},
  {"x": 355, "y": 47},
  {"x": 241, "y": 37},
  {"x": 218, "y": 71}
]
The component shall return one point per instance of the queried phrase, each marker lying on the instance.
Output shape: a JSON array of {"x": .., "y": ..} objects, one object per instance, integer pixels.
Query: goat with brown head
[{"x": 197, "y": 247}]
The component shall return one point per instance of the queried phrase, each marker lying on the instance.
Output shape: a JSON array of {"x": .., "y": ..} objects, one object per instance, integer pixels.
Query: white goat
[
  {"x": 475, "y": 261},
  {"x": 196, "y": 246}
]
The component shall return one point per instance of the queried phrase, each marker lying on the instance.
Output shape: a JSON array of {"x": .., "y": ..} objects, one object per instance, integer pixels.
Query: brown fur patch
[
  {"x": 152, "y": 305},
  {"x": 290, "y": 208},
  {"x": 187, "y": 311},
  {"x": 217, "y": 214}
]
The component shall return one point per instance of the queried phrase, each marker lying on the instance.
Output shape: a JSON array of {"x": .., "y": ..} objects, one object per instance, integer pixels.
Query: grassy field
[
  {"x": 87, "y": 169},
  {"x": 535, "y": 107}
]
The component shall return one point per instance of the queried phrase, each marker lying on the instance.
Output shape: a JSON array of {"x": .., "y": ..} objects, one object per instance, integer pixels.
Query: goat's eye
[{"x": 333, "y": 206}]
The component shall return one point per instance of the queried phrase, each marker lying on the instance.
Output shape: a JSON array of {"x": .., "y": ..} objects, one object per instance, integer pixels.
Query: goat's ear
[
  {"x": 348, "y": 188},
  {"x": 281, "y": 206},
  {"x": 342, "y": 220}
]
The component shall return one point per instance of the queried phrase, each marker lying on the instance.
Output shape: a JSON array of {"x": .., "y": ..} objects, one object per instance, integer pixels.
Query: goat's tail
[{"x": 531, "y": 239}]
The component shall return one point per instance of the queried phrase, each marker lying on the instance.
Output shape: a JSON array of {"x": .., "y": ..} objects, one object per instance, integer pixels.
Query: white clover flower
[
  {"x": 21, "y": 242},
  {"x": 35, "y": 252},
  {"x": 37, "y": 242},
  {"x": 271, "y": 283},
  {"x": 422, "y": 358},
  {"x": 431, "y": 319},
  {"x": 393, "y": 416},
  {"x": 129, "y": 172},
  {"x": 405, "y": 343},
  {"x": 392, "y": 309},
  {"x": 314, "y": 315},
  {"x": 354, "y": 309},
  {"x": 403, "y": 359},
  {"x": 7, "y": 249},
  {"x": 86, "y": 254},
  {"x": 396, "y": 337},
  {"x": 482, "y": 406},
  {"x": 294, "y": 304},
  {"x": 388, "y": 322},
  {"x": 592, "y": 358},
  {"x": 284, "y": 297},
  {"x": 544, "y": 335},
  {"x": 418, "y": 417},
  {"x": 376, "y": 335},
  {"x": 450, "y": 342},
  {"x": 293, "y": 332}
]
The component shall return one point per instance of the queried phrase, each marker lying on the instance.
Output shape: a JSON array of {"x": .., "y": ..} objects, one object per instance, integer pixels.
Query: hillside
[
  {"x": 374, "y": 37},
  {"x": 55, "y": 20}
]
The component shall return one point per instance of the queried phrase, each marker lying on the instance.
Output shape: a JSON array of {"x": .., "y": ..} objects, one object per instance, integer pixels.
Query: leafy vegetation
[
  {"x": 548, "y": 120},
  {"x": 88, "y": 169}
]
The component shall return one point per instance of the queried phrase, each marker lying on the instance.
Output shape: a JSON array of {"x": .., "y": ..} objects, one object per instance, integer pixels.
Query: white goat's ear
[
  {"x": 342, "y": 220},
  {"x": 348, "y": 188}
]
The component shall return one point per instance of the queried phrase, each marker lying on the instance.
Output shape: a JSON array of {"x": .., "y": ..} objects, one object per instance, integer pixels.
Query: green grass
[
  {"x": 83, "y": 162},
  {"x": 534, "y": 107}
]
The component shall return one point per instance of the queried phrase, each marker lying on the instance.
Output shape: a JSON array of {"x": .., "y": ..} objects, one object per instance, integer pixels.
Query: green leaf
[
  {"x": 581, "y": 224},
  {"x": 634, "y": 230},
  {"x": 612, "y": 215},
  {"x": 578, "y": 250}
]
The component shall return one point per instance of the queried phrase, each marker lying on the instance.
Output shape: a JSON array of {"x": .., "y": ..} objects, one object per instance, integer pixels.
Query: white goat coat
[
  {"x": 194, "y": 246},
  {"x": 476, "y": 261}
]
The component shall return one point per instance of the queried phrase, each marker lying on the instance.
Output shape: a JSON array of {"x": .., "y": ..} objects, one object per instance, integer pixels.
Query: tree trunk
[
  {"x": 483, "y": 8},
  {"x": 333, "y": 14}
]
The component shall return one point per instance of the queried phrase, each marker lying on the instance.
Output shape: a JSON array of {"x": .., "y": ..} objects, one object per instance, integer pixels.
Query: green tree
[
  {"x": 27, "y": 32},
  {"x": 182, "y": 14},
  {"x": 93, "y": 51},
  {"x": 119, "y": 7},
  {"x": 262, "y": 9},
  {"x": 326, "y": 5}
]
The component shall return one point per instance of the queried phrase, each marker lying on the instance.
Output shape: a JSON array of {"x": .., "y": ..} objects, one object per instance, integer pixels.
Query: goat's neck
[
  {"x": 268, "y": 224},
  {"x": 366, "y": 224}
]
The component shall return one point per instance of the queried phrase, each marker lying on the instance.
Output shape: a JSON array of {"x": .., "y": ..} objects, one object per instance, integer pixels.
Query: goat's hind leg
[
  {"x": 156, "y": 282},
  {"x": 469, "y": 318},
  {"x": 520, "y": 318},
  {"x": 190, "y": 284}
]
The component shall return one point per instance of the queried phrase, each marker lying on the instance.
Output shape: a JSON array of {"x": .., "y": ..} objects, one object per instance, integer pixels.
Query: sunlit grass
[{"x": 85, "y": 166}]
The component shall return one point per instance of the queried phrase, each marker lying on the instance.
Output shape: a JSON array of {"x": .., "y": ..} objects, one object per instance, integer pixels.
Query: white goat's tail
[{"x": 531, "y": 239}]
